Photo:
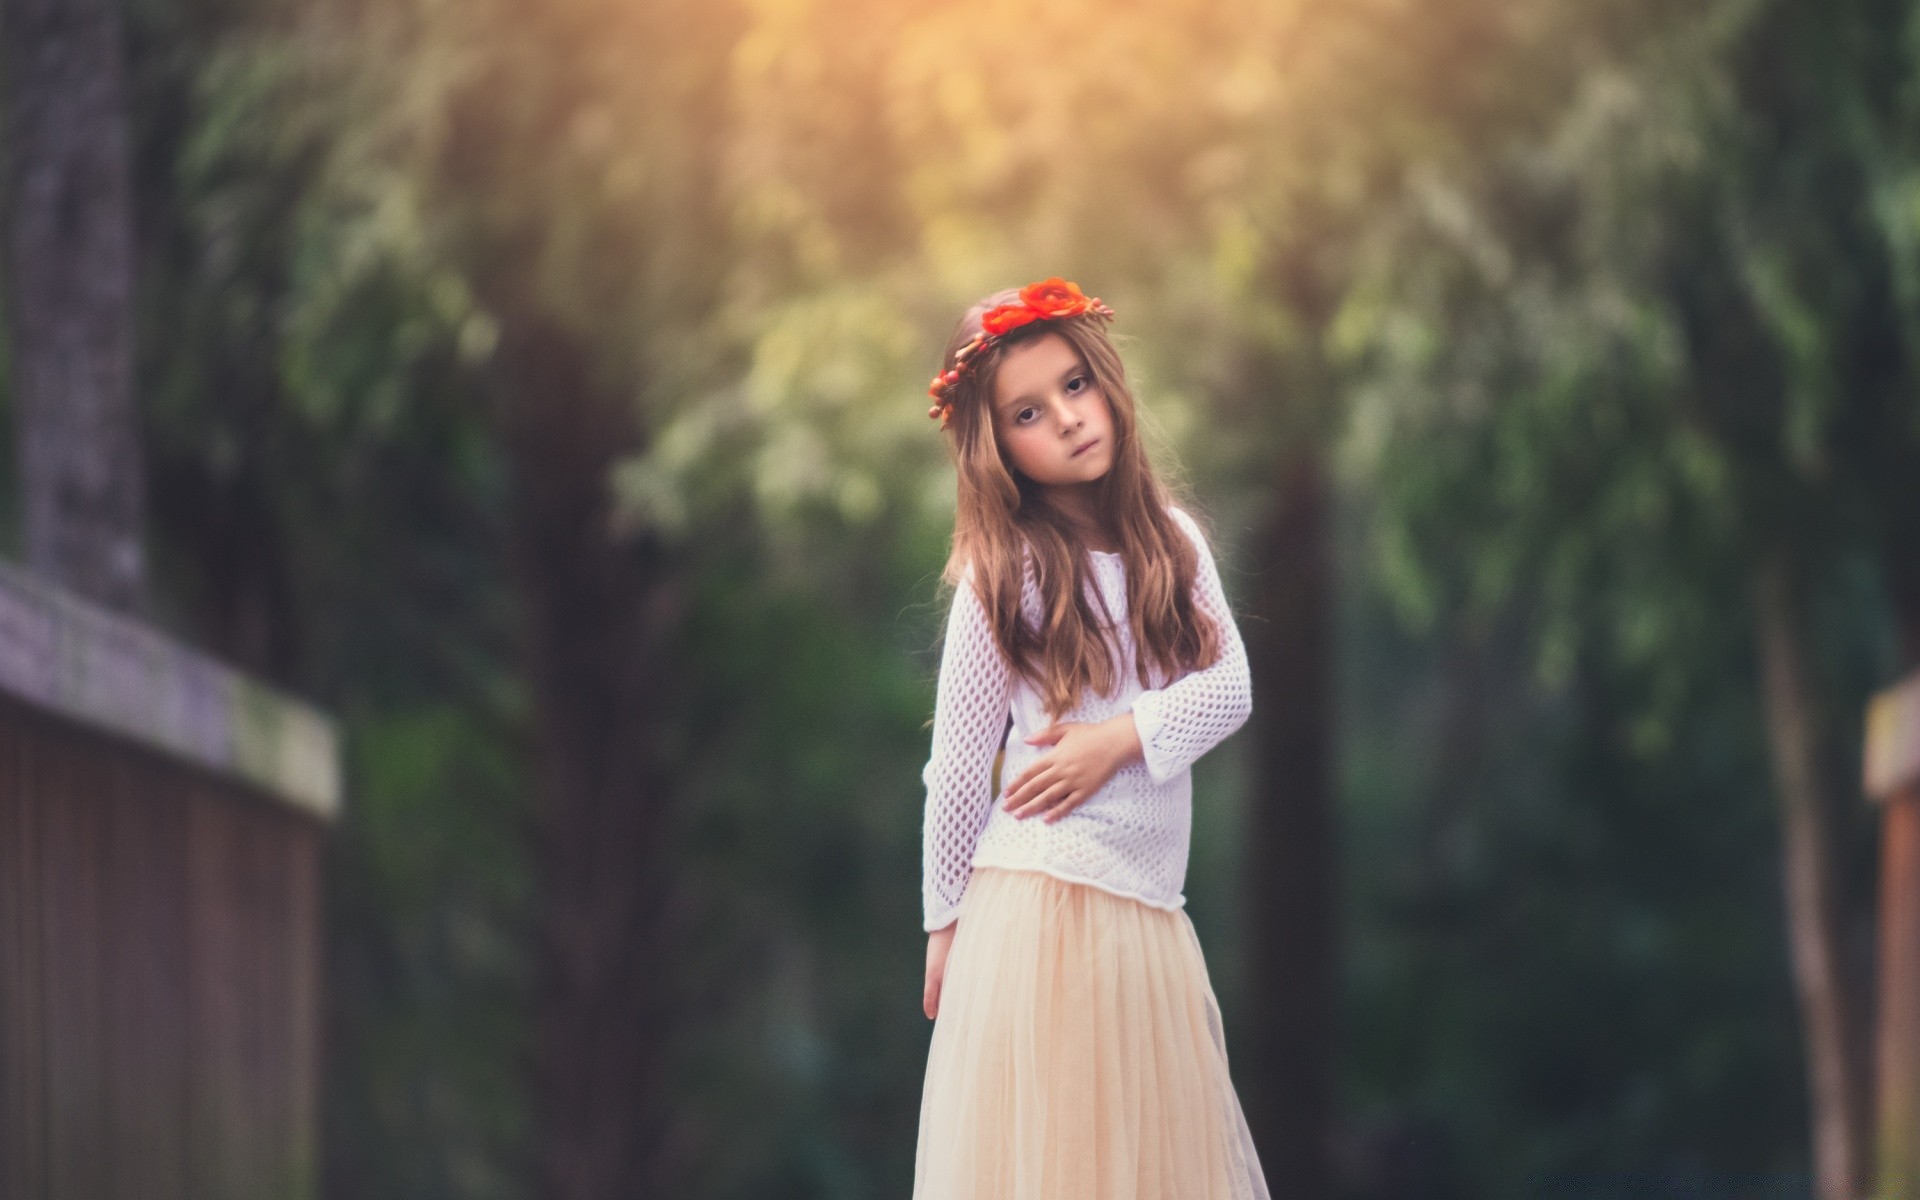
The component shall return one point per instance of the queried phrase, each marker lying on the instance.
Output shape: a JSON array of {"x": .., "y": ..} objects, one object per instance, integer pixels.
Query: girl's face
[{"x": 1050, "y": 415}]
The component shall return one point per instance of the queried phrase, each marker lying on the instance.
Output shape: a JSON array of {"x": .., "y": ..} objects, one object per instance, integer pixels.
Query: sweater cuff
[{"x": 1147, "y": 721}]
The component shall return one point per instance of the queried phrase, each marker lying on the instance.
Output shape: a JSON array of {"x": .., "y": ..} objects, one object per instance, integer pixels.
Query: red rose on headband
[
  {"x": 1045, "y": 300},
  {"x": 997, "y": 321},
  {"x": 1055, "y": 297}
]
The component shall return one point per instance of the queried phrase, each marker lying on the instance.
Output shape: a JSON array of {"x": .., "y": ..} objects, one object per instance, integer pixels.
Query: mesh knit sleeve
[
  {"x": 971, "y": 706},
  {"x": 1191, "y": 715}
]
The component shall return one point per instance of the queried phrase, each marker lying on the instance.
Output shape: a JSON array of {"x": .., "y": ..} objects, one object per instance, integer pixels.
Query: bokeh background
[{"x": 540, "y": 389}]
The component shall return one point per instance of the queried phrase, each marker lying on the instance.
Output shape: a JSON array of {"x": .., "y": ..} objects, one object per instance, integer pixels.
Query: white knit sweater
[{"x": 1131, "y": 837}]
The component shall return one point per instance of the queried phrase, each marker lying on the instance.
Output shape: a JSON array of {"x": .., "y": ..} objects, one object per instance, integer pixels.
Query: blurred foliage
[{"x": 1591, "y": 299}]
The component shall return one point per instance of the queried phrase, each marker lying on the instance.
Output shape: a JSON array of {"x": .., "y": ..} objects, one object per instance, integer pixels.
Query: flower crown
[{"x": 1046, "y": 300}]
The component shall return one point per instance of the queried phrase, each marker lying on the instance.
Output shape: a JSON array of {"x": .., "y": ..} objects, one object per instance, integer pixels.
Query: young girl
[{"x": 1077, "y": 1050}]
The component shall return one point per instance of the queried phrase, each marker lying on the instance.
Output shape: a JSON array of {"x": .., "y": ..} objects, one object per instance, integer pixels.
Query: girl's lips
[{"x": 1083, "y": 449}]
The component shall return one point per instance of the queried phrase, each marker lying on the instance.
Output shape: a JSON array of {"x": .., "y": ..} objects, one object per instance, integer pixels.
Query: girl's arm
[
  {"x": 1193, "y": 714},
  {"x": 971, "y": 706}
]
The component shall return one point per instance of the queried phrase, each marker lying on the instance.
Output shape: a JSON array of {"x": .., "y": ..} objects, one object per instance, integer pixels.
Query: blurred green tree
[
  {"x": 1666, "y": 342},
  {"x": 510, "y": 363}
]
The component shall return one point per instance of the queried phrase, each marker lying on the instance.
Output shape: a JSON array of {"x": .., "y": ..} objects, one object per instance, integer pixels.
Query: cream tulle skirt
[{"x": 1078, "y": 1055}]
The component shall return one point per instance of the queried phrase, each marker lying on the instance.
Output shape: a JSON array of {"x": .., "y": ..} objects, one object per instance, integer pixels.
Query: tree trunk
[
  {"x": 597, "y": 610},
  {"x": 70, "y": 296},
  {"x": 1832, "y": 1003},
  {"x": 1292, "y": 843}
]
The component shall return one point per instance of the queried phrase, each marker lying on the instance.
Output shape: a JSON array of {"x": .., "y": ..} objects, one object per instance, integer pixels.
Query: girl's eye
[{"x": 1019, "y": 418}]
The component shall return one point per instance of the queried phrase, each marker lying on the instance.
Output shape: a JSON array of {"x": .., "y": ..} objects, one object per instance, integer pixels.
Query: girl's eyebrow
[{"x": 1069, "y": 373}]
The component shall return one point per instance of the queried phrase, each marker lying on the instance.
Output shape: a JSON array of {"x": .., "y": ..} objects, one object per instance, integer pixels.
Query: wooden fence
[
  {"x": 1893, "y": 779},
  {"x": 161, "y": 826}
]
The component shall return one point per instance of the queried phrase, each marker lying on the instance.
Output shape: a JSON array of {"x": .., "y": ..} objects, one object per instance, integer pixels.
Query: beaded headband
[{"x": 1046, "y": 300}]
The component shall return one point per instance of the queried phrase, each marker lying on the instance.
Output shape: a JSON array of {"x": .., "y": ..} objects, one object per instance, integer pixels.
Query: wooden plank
[
  {"x": 13, "y": 973},
  {"x": 280, "y": 875},
  {"x": 73, "y": 882},
  {"x": 147, "y": 1002},
  {"x": 217, "y": 1010},
  {"x": 260, "y": 929},
  {"x": 22, "y": 981},
  {"x": 1897, "y": 1048},
  {"x": 304, "y": 984}
]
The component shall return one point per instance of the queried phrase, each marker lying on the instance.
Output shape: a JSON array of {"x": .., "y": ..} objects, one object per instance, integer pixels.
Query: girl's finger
[
  {"x": 1044, "y": 800},
  {"x": 1027, "y": 776},
  {"x": 1067, "y": 804},
  {"x": 1034, "y": 769},
  {"x": 1034, "y": 778},
  {"x": 1031, "y": 790}
]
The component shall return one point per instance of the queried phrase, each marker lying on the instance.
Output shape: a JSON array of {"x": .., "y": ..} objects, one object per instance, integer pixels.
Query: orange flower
[
  {"x": 1055, "y": 297},
  {"x": 997, "y": 321},
  {"x": 1045, "y": 300}
]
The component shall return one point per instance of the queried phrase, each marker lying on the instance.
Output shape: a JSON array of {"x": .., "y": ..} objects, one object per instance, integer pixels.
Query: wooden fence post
[{"x": 1892, "y": 777}]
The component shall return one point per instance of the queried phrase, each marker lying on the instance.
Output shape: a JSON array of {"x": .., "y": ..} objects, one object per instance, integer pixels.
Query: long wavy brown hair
[{"x": 1002, "y": 514}]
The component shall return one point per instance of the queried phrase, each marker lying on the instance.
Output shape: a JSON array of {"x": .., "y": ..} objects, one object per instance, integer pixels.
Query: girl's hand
[
  {"x": 938, "y": 943},
  {"x": 1084, "y": 757}
]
